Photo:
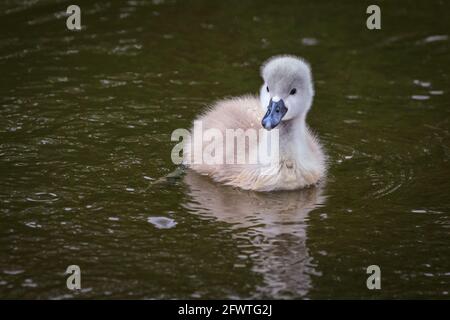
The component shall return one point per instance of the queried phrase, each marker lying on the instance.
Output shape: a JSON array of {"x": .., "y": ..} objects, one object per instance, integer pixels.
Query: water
[{"x": 85, "y": 128}]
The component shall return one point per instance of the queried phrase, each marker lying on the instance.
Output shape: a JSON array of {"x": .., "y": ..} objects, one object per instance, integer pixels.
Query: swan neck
[{"x": 294, "y": 128}]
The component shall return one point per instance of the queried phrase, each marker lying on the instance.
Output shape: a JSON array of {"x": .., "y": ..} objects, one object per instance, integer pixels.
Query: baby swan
[{"x": 284, "y": 101}]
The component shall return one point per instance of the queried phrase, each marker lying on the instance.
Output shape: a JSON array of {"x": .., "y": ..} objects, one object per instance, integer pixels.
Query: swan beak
[{"x": 275, "y": 112}]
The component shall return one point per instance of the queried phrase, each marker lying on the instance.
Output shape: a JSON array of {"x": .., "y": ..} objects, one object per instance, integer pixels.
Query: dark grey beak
[{"x": 275, "y": 112}]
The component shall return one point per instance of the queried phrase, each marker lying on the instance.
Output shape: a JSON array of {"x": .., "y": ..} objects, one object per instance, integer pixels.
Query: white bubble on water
[
  {"x": 424, "y": 84},
  {"x": 420, "y": 97},
  {"x": 13, "y": 272},
  {"x": 33, "y": 225},
  {"x": 309, "y": 41}
]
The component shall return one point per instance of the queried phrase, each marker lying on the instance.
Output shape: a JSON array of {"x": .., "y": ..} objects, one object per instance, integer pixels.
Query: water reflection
[{"x": 272, "y": 226}]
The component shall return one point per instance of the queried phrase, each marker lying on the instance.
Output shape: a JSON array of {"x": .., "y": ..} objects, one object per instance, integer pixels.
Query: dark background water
[{"x": 85, "y": 128}]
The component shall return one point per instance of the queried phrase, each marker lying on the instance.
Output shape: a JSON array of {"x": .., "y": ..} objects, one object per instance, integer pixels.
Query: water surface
[{"x": 85, "y": 128}]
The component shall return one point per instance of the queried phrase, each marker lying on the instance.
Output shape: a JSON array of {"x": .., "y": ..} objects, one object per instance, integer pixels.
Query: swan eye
[
  {"x": 267, "y": 88},
  {"x": 293, "y": 91}
]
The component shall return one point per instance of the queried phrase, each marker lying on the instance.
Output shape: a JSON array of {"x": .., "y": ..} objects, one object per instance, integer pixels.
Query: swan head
[{"x": 287, "y": 92}]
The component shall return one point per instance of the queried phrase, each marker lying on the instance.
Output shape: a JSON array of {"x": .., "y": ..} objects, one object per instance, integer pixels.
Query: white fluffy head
[{"x": 282, "y": 74}]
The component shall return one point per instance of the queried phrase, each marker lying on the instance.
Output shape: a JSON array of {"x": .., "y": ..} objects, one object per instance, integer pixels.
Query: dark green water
[{"x": 85, "y": 128}]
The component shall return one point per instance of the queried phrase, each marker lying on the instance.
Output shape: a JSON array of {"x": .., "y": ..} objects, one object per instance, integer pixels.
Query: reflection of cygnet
[
  {"x": 274, "y": 225},
  {"x": 284, "y": 101}
]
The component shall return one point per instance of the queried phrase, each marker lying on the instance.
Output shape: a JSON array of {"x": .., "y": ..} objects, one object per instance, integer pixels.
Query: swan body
[{"x": 284, "y": 100}]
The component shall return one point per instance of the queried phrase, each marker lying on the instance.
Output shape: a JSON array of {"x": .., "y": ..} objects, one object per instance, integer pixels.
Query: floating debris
[{"x": 162, "y": 222}]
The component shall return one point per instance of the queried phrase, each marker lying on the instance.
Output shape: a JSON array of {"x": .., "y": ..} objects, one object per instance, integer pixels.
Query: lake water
[{"x": 85, "y": 126}]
